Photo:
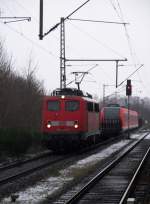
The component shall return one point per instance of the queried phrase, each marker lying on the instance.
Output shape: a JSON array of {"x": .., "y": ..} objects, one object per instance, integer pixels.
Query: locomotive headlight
[
  {"x": 76, "y": 124},
  {"x": 48, "y": 124},
  {"x": 62, "y": 96}
]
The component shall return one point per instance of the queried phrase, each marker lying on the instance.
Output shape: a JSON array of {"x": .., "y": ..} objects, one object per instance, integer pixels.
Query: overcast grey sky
[{"x": 83, "y": 40}]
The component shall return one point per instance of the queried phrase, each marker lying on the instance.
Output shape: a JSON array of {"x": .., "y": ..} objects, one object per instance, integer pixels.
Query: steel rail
[
  {"x": 102, "y": 173},
  {"x": 134, "y": 178},
  {"x": 30, "y": 170},
  {"x": 18, "y": 163}
]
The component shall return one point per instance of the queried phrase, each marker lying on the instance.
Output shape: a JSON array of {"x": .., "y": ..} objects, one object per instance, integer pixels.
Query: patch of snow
[
  {"x": 139, "y": 135},
  {"x": 136, "y": 135},
  {"x": 93, "y": 159},
  {"x": 39, "y": 192},
  {"x": 148, "y": 137}
]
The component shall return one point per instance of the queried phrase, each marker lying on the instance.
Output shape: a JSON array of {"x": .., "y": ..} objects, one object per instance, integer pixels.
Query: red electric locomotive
[
  {"x": 69, "y": 118},
  {"x": 114, "y": 119}
]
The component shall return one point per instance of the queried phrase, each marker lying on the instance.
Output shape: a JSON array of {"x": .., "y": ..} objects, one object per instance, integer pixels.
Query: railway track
[
  {"x": 112, "y": 184},
  {"x": 22, "y": 168},
  {"x": 16, "y": 170},
  {"x": 22, "y": 161},
  {"x": 140, "y": 188},
  {"x": 11, "y": 175}
]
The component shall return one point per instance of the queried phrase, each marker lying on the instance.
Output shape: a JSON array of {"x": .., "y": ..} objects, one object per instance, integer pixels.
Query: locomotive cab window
[
  {"x": 96, "y": 107},
  {"x": 90, "y": 106},
  {"x": 111, "y": 113},
  {"x": 53, "y": 105},
  {"x": 72, "y": 105}
]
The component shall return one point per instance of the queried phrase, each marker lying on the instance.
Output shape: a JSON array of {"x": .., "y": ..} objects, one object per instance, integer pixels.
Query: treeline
[
  {"x": 20, "y": 106},
  {"x": 20, "y": 96}
]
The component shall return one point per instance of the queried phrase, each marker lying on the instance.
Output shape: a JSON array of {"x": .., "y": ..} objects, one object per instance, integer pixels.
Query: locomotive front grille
[{"x": 62, "y": 123}]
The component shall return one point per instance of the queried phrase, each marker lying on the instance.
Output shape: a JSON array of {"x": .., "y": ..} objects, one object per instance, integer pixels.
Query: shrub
[{"x": 15, "y": 141}]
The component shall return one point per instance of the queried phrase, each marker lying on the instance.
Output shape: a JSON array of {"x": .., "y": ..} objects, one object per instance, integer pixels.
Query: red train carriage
[
  {"x": 114, "y": 119},
  {"x": 69, "y": 118},
  {"x": 133, "y": 119}
]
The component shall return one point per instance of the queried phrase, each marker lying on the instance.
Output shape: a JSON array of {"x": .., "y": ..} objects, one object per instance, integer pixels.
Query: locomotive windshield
[
  {"x": 111, "y": 113},
  {"x": 53, "y": 105},
  {"x": 72, "y": 105}
]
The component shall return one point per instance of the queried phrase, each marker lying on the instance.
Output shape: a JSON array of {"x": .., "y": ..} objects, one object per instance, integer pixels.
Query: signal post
[{"x": 128, "y": 93}]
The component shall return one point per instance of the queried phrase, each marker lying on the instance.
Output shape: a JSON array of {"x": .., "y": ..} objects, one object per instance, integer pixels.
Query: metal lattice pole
[{"x": 62, "y": 55}]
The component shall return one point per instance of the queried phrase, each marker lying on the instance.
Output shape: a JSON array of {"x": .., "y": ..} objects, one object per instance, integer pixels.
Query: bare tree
[{"x": 20, "y": 96}]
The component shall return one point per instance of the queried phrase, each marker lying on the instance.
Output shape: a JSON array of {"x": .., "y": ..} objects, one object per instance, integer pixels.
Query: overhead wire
[
  {"x": 49, "y": 52},
  {"x": 31, "y": 41},
  {"x": 114, "y": 7},
  {"x": 103, "y": 70},
  {"x": 24, "y": 36},
  {"x": 143, "y": 84},
  {"x": 118, "y": 91},
  {"x": 131, "y": 50},
  {"x": 57, "y": 24},
  {"x": 24, "y": 8},
  {"x": 11, "y": 11},
  {"x": 96, "y": 21},
  {"x": 37, "y": 22},
  {"x": 96, "y": 40},
  {"x": 127, "y": 35},
  {"x": 27, "y": 38},
  {"x": 8, "y": 8},
  {"x": 120, "y": 15},
  {"x": 79, "y": 65},
  {"x": 95, "y": 65},
  {"x": 133, "y": 54}
]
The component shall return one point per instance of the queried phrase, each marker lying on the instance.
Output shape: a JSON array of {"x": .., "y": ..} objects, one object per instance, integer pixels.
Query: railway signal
[
  {"x": 128, "y": 88},
  {"x": 128, "y": 93}
]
